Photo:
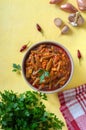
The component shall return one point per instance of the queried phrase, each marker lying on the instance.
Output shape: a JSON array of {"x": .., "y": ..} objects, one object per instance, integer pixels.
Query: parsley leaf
[
  {"x": 16, "y": 68},
  {"x": 43, "y": 74}
]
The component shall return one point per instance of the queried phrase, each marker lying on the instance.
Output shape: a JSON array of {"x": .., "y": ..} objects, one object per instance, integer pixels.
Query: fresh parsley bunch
[{"x": 26, "y": 111}]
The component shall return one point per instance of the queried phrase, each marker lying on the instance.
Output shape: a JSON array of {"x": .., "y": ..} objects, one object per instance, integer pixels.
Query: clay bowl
[{"x": 49, "y": 80}]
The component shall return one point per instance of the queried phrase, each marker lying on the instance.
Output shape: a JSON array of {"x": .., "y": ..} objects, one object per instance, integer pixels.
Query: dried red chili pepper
[
  {"x": 38, "y": 27},
  {"x": 79, "y": 54},
  {"x": 24, "y": 47}
]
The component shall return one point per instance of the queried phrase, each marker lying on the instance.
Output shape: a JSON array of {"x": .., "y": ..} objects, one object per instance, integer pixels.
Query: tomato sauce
[{"x": 47, "y": 67}]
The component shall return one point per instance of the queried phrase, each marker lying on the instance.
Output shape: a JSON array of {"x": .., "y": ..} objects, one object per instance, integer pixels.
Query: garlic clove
[
  {"x": 71, "y": 17},
  {"x": 58, "y": 22},
  {"x": 80, "y": 20},
  {"x": 65, "y": 29}
]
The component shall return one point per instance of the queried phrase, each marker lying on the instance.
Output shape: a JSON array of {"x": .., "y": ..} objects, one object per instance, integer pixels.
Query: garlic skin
[
  {"x": 82, "y": 5},
  {"x": 55, "y": 1},
  {"x": 74, "y": 24}
]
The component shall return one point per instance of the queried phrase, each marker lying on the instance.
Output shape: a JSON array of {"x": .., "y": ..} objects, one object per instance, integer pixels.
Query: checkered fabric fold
[{"x": 73, "y": 107}]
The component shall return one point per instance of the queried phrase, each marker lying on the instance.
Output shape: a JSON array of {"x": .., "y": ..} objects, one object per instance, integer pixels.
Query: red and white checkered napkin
[{"x": 73, "y": 107}]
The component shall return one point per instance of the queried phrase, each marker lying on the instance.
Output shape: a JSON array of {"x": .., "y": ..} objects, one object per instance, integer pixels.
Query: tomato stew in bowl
[{"x": 47, "y": 67}]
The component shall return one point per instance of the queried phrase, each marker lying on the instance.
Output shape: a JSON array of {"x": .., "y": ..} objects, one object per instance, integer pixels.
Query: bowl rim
[{"x": 67, "y": 52}]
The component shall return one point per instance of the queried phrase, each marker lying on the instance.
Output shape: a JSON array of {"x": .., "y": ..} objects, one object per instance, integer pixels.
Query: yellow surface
[{"x": 18, "y": 20}]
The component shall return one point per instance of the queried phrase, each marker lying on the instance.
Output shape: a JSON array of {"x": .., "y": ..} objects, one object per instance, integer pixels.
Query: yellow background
[{"x": 18, "y": 19}]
